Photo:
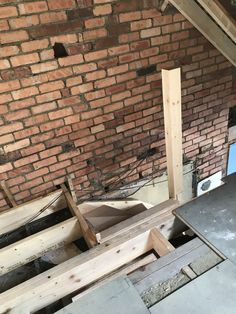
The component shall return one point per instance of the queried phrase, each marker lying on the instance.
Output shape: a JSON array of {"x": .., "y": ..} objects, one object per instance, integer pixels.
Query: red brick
[
  {"x": 10, "y": 128},
  {"x": 60, "y": 113},
  {"x": 100, "y": 102},
  {"x": 24, "y": 59},
  {"x": 61, "y": 4},
  {"x": 93, "y": 76},
  {"x": 59, "y": 74},
  {"x": 128, "y": 17},
  {"x": 81, "y": 88},
  {"x": 42, "y": 137},
  {"x": 50, "y": 152},
  {"x": 118, "y": 70},
  {"x": 44, "y": 67},
  {"x": 38, "y": 173},
  {"x": 26, "y": 132},
  {"x": 18, "y": 115},
  {"x": 25, "y": 92},
  {"x": 151, "y": 32},
  {"x": 94, "y": 34},
  {"x": 45, "y": 162},
  {"x": 95, "y": 95},
  {"x": 66, "y": 39},
  {"x": 85, "y": 68},
  {"x": 6, "y": 139},
  {"x": 71, "y": 60},
  {"x": 4, "y": 64},
  {"x": 72, "y": 81},
  {"x": 11, "y": 37},
  {"x": 33, "y": 7},
  {"x": 8, "y": 11},
  {"x": 102, "y": 10},
  {"x": 139, "y": 25},
  {"x": 52, "y": 86},
  {"x": 16, "y": 146},
  {"x": 51, "y": 125},
  {"x": 95, "y": 22},
  {"x": 35, "y": 120},
  {"x": 59, "y": 165},
  {"x": 5, "y": 167},
  {"x": 105, "y": 82},
  {"x": 8, "y": 51},
  {"x": 24, "y": 21},
  {"x": 91, "y": 56},
  {"x": 35, "y": 45},
  {"x": 51, "y": 17},
  {"x": 127, "y": 38},
  {"x": 121, "y": 96},
  {"x": 22, "y": 104},
  {"x": 9, "y": 86},
  {"x": 48, "y": 97},
  {"x": 118, "y": 50},
  {"x": 4, "y": 25}
]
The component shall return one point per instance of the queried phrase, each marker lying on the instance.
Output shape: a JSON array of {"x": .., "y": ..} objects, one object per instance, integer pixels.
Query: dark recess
[
  {"x": 59, "y": 51},
  {"x": 147, "y": 70}
]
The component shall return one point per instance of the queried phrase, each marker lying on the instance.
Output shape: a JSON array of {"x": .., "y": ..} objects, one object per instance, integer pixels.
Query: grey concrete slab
[
  {"x": 211, "y": 293},
  {"x": 116, "y": 297},
  {"x": 213, "y": 217}
]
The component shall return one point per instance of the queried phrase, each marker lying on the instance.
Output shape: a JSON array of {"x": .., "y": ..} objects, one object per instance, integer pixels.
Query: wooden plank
[
  {"x": 221, "y": 16},
  {"x": 88, "y": 234},
  {"x": 36, "y": 245},
  {"x": 200, "y": 19},
  {"x": 171, "y": 86},
  {"x": 79, "y": 271},
  {"x": 124, "y": 271},
  {"x": 160, "y": 244},
  {"x": 163, "y": 210},
  {"x": 164, "y": 5},
  {"x": 8, "y": 193},
  {"x": 14, "y": 218}
]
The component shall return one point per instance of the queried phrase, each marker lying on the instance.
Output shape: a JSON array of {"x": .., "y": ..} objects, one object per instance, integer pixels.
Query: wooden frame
[
  {"x": 171, "y": 86},
  {"x": 199, "y": 18},
  {"x": 76, "y": 273},
  {"x": 221, "y": 16}
]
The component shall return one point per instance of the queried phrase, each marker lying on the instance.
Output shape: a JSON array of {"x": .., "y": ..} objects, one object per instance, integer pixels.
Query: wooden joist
[
  {"x": 200, "y": 19},
  {"x": 160, "y": 244},
  {"x": 80, "y": 271},
  {"x": 8, "y": 193},
  {"x": 171, "y": 86},
  {"x": 87, "y": 231},
  {"x": 36, "y": 245},
  {"x": 14, "y": 218},
  {"x": 221, "y": 16}
]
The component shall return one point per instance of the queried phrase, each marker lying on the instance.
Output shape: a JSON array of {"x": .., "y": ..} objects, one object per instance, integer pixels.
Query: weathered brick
[
  {"x": 9, "y": 51},
  {"x": 35, "y": 45},
  {"x": 11, "y": 37},
  {"x": 24, "y": 59},
  {"x": 9, "y": 86},
  {"x": 24, "y": 21},
  {"x": 95, "y": 33},
  {"x": 8, "y": 11},
  {"x": 61, "y": 4},
  {"x": 44, "y": 67},
  {"x": 128, "y": 17},
  {"x": 52, "y": 86},
  {"x": 52, "y": 17},
  {"x": 25, "y": 92},
  {"x": 16, "y": 146},
  {"x": 60, "y": 113},
  {"x": 95, "y": 22},
  {"x": 102, "y": 9},
  {"x": 71, "y": 60}
]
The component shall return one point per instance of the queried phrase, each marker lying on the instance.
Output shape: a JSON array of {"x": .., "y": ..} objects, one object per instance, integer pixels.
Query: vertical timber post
[{"x": 171, "y": 87}]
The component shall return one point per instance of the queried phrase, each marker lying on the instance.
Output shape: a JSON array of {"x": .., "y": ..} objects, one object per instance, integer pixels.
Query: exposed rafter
[{"x": 200, "y": 19}]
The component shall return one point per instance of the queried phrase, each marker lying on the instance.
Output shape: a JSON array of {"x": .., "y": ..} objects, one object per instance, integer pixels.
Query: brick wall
[{"x": 80, "y": 93}]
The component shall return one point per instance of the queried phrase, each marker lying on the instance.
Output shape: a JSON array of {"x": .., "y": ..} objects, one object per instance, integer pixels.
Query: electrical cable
[{"x": 33, "y": 217}]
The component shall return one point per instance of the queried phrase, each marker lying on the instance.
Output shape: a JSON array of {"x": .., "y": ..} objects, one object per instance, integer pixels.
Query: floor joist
[
  {"x": 79, "y": 271},
  {"x": 36, "y": 245}
]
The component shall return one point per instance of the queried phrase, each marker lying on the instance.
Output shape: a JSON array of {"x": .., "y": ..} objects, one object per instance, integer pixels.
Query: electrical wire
[{"x": 33, "y": 217}]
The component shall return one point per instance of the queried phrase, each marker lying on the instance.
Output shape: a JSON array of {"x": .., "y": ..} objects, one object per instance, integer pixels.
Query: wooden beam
[
  {"x": 8, "y": 194},
  {"x": 221, "y": 16},
  {"x": 36, "y": 245},
  {"x": 13, "y": 218},
  {"x": 87, "y": 231},
  {"x": 77, "y": 272},
  {"x": 164, "y": 5},
  {"x": 127, "y": 269},
  {"x": 160, "y": 244},
  {"x": 200, "y": 19},
  {"x": 171, "y": 86},
  {"x": 162, "y": 211}
]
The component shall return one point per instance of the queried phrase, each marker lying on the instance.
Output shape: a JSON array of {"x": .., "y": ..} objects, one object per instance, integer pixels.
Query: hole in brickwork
[
  {"x": 147, "y": 70},
  {"x": 59, "y": 51},
  {"x": 148, "y": 153},
  {"x": 232, "y": 117}
]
